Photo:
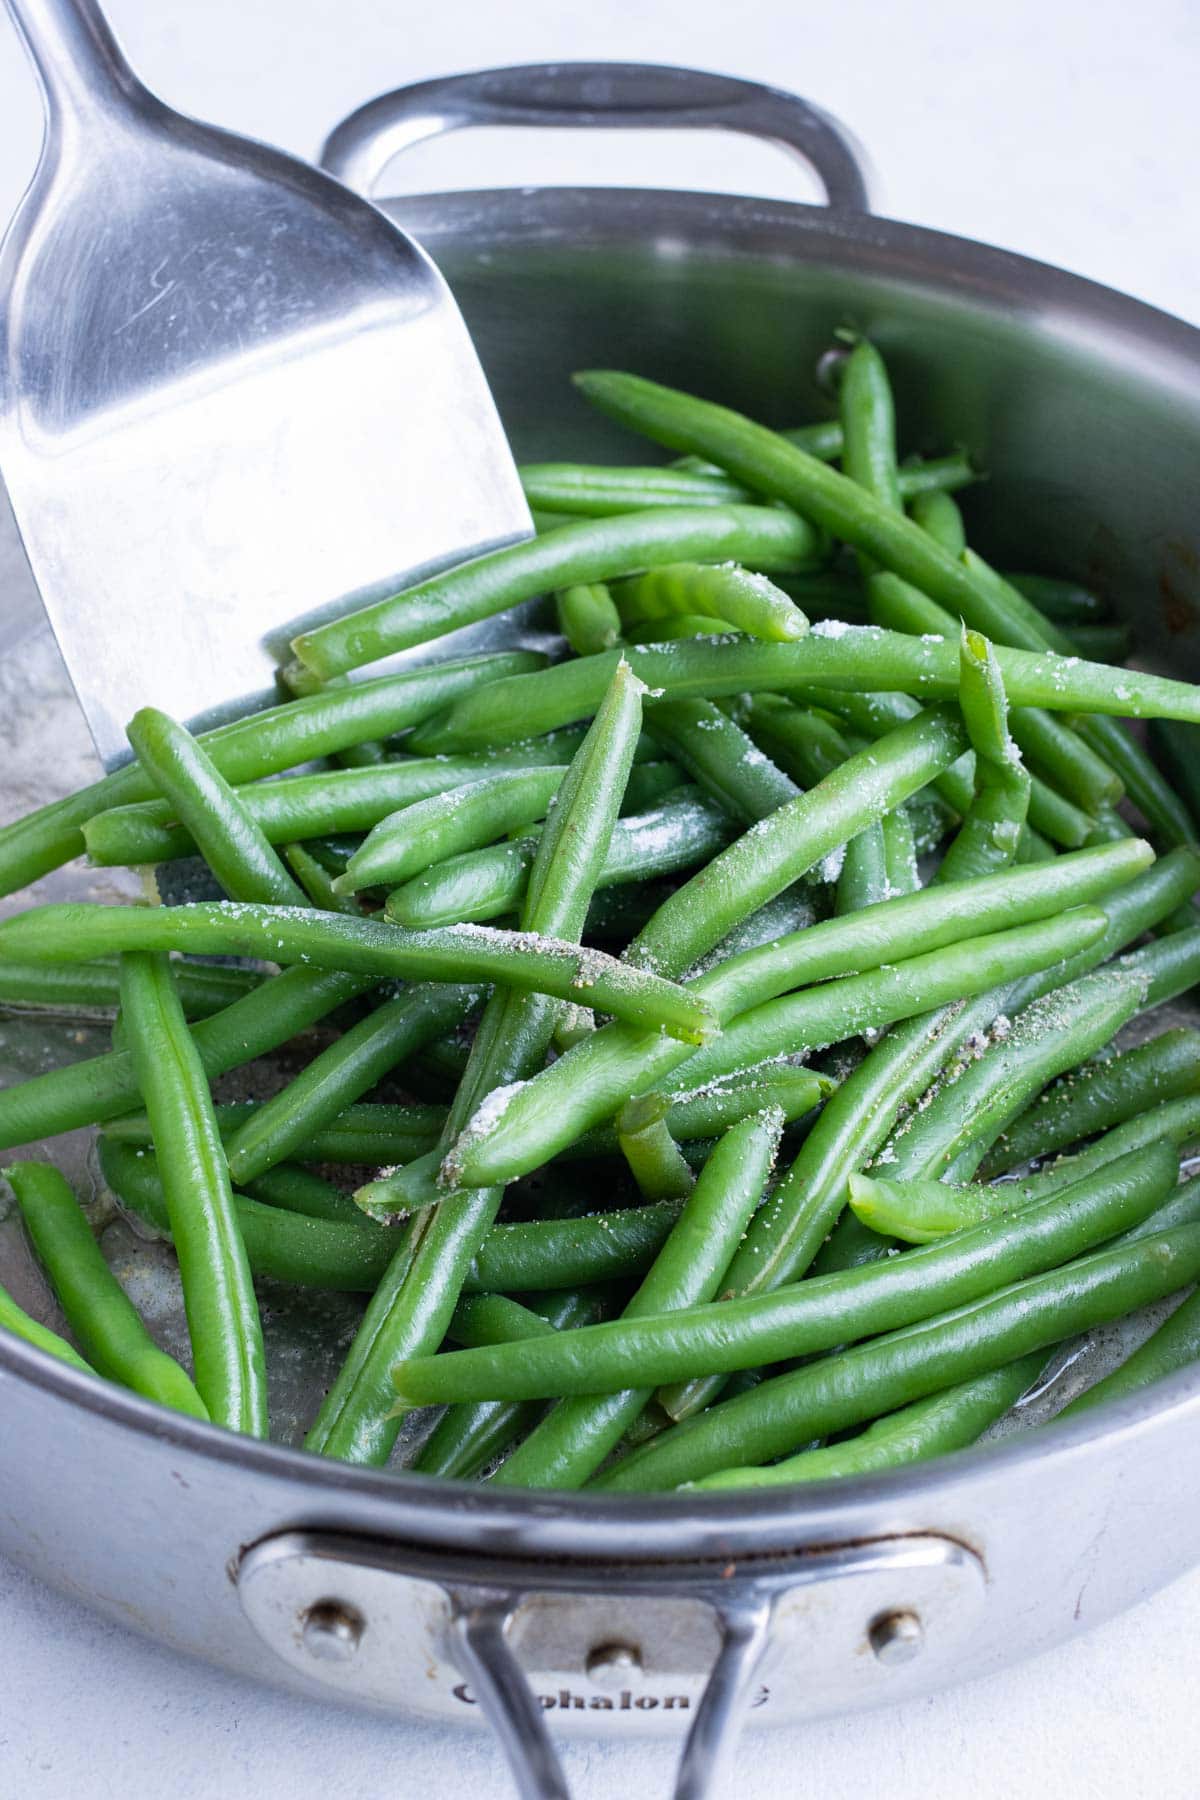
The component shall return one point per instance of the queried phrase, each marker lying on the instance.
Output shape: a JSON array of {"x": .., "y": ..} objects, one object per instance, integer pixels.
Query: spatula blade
[{"x": 235, "y": 399}]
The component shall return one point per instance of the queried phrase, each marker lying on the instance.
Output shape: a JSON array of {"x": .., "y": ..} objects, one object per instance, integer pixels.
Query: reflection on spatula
[{"x": 233, "y": 396}]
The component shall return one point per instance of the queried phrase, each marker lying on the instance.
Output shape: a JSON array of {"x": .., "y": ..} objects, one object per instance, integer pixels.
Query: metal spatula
[{"x": 233, "y": 396}]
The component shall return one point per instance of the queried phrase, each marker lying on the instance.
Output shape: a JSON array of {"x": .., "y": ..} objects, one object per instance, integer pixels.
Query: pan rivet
[
  {"x": 896, "y": 1637},
  {"x": 609, "y": 1665},
  {"x": 332, "y": 1630}
]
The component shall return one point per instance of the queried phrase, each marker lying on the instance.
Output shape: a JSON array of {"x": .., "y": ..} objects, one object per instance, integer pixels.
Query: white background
[{"x": 1069, "y": 131}]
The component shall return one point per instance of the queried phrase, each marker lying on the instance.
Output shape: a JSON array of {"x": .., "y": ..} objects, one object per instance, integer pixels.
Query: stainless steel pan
[{"x": 629, "y": 1615}]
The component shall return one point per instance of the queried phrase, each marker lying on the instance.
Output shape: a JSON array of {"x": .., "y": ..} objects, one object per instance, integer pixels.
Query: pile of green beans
[{"x": 814, "y": 837}]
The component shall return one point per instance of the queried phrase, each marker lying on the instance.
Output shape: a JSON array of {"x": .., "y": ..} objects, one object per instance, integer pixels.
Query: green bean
[
  {"x": 1170, "y": 964},
  {"x": 988, "y": 836},
  {"x": 1169, "y": 967},
  {"x": 301, "y": 1191},
  {"x": 1175, "y": 1121},
  {"x": 549, "y": 1254},
  {"x": 875, "y": 715},
  {"x": 583, "y": 551},
  {"x": 15, "y": 1319},
  {"x": 302, "y": 1249},
  {"x": 1155, "y": 797},
  {"x": 218, "y": 1294},
  {"x": 868, "y": 418},
  {"x": 370, "y": 1131},
  {"x": 935, "y": 474},
  {"x": 467, "y": 1438},
  {"x": 1063, "y": 602},
  {"x": 869, "y": 460},
  {"x": 595, "y": 491},
  {"x": 590, "y": 1082},
  {"x": 706, "y": 1112},
  {"x": 574, "y": 1022},
  {"x": 853, "y": 656},
  {"x": 342, "y": 1073},
  {"x": 932, "y": 1427},
  {"x": 649, "y": 783},
  {"x": 863, "y": 878},
  {"x": 1017, "y": 621},
  {"x": 810, "y": 1316},
  {"x": 683, "y": 830},
  {"x": 841, "y": 1391},
  {"x": 588, "y": 617},
  {"x": 232, "y": 845},
  {"x": 421, "y": 1286},
  {"x": 1098, "y": 1095},
  {"x": 825, "y": 441},
  {"x": 406, "y": 842},
  {"x": 933, "y": 1208},
  {"x": 492, "y": 1319},
  {"x": 655, "y": 1160},
  {"x": 806, "y": 743},
  {"x": 899, "y": 853},
  {"x": 681, "y": 625},
  {"x": 1182, "y": 1208},
  {"x": 103, "y": 1087},
  {"x": 478, "y": 886},
  {"x": 1033, "y": 847},
  {"x": 1050, "y": 813},
  {"x": 929, "y": 819},
  {"x": 318, "y": 884},
  {"x": 107, "y": 1326},
  {"x": 719, "y": 756},
  {"x": 461, "y": 953},
  {"x": 353, "y": 1256},
  {"x": 576, "y": 1436},
  {"x": 954, "y": 1132},
  {"x": 357, "y": 756},
  {"x": 745, "y": 601},
  {"x": 397, "y": 1192},
  {"x": 262, "y": 744},
  {"x": 920, "y": 1210},
  {"x": 1051, "y": 745},
  {"x": 791, "y": 912},
  {"x": 333, "y": 853},
  {"x": 306, "y": 806},
  {"x": 788, "y": 843},
  {"x": 204, "y": 988},
  {"x": 940, "y": 518},
  {"x": 809, "y": 746}
]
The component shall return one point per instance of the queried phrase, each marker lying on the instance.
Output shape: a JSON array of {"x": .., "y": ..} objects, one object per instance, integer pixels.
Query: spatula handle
[{"x": 80, "y": 65}]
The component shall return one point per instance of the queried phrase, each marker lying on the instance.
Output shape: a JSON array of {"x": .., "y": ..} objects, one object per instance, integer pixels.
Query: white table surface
[{"x": 1068, "y": 131}]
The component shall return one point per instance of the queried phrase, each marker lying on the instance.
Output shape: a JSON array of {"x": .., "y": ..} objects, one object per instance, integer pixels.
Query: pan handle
[
  {"x": 478, "y": 1627},
  {"x": 602, "y": 96},
  {"x": 371, "y": 1619}
]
